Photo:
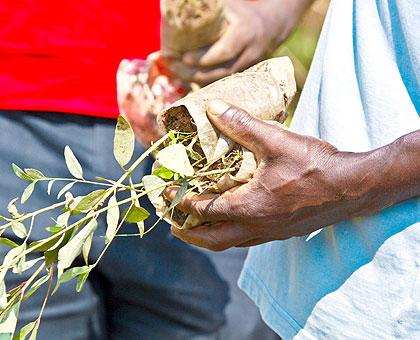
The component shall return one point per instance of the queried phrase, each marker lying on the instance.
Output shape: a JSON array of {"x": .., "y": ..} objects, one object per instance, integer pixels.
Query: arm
[
  {"x": 302, "y": 184},
  {"x": 255, "y": 29}
]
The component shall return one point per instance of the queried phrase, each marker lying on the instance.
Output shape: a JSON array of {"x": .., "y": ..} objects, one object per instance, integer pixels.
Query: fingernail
[{"x": 217, "y": 107}]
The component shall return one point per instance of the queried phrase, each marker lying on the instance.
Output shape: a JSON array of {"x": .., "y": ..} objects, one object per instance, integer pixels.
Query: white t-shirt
[{"x": 359, "y": 279}]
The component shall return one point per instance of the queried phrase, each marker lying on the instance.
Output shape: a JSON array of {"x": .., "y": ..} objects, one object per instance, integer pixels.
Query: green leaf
[
  {"x": 11, "y": 208},
  {"x": 179, "y": 195},
  {"x": 28, "y": 192},
  {"x": 73, "y": 248},
  {"x": 124, "y": 142},
  {"x": 8, "y": 242},
  {"x": 136, "y": 214},
  {"x": 66, "y": 188},
  {"x": 19, "y": 267},
  {"x": 154, "y": 187},
  {"x": 20, "y": 173},
  {"x": 81, "y": 281},
  {"x": 8, "y": 321},
  {"x": 19, "y": 229},
  {"x": 194, "y": 155},
  {"x": 175, "y": 158},
  {"x": 50, "y": 185},
  {"x": 36, "y": 285},
  {"x": 24, "y": 331},
  {"x": 34, "y": 332},
  {"x": 3, "y": 295},
  {"x": 163, "y": 172},
  {"x": 72, "y": 163},
  {"x": 112, "y": 218},
  {"x": 86, "y": 248},
  {"x": 54, "y": 229},
  {"x": 73, "y": 272},
  {"x": 51, "y": 256},
  {"x": 45, "y": 246},
  {"x": 63, "y": 219},
  {"x": 10, "y": 256},
  {"x": 90, "y": 200},
  {"x": 140, "y": 225},
  {"x": 26, "y": 265},
  {"x": 34, "y": 173}
]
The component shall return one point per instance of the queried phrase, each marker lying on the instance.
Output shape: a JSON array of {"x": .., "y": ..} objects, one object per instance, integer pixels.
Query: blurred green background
[{"x": 301, "y": 44}]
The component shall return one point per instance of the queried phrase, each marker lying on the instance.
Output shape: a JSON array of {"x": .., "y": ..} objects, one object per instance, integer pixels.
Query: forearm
[{"x": 385, "y": 176}]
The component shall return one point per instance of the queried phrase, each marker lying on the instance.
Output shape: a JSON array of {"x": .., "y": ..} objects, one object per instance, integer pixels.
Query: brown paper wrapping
[
  {"x": 264, "y": 90},
  {"x": 188, "y": 25}
]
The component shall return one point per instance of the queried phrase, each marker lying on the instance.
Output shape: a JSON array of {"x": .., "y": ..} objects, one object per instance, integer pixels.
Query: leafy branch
[{"x": 179, "y": 164}]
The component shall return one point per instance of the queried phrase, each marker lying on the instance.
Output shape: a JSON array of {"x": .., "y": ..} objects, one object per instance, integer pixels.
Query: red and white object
[{"x": 144, "y": 89}]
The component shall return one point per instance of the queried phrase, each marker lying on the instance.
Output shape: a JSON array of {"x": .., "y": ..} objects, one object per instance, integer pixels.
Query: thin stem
[
  {"x": 73, "y": 180},
  {"x": 35, "y": 213},
  {"x": 116, "y": 231},
  {"x": 106, "y": 195},
  {"x": 25, "y": 285},
  {"x": 33, "y": 276},
  {"x": 125, "y": 186},
  {"x": 214, "y": 172},
  {"x": 87, "y": 217},
  {"x": 30, "y": 229},
  {"x": 83, "y": 181},
  {"x": 47, "y": 294}
]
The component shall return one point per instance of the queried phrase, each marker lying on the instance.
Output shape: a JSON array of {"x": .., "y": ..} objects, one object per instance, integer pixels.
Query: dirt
[
  {"x": 178, "y": 119},
  {"x": 187, "y": 11},
  {"x": 177, "y": 215},
  {"x": 231, "y": 160}
]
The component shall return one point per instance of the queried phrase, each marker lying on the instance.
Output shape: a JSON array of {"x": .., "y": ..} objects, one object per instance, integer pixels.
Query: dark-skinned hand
[
  {"x": 255, "y": 29},
  {"x": 302, "y": 184}
]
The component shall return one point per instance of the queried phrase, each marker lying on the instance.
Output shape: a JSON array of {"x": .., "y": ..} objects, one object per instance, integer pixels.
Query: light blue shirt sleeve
[{"x": 359, "y": 279}]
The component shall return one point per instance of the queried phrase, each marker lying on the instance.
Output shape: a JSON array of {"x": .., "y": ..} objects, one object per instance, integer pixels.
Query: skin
[
  {"x": 302, "y": 184},
  {"x": 255, "y": 29}
]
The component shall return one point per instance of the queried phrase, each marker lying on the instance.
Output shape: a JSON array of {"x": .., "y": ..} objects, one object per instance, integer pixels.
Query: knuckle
[
  {"x": 214, "y": 209},
  {"x": 241, "y": 119},
  {"x": 198, "y": 208},
  {"x": 207, "y": 209}
]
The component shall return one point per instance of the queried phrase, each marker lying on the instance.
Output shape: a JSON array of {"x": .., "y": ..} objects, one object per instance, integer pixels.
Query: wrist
[
  {"x": 377, "y": 179},
  {"x": 356, "y": 178}
]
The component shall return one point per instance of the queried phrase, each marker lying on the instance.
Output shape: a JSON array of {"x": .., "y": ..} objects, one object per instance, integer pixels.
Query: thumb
[{"x": 242, "y": 127}]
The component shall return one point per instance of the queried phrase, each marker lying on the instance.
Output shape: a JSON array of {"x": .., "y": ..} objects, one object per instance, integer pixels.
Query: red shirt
[{"x": 63, "y": 55}]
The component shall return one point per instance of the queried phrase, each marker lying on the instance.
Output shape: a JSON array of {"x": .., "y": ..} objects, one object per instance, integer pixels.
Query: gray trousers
[{"x": 151, "y": 288}]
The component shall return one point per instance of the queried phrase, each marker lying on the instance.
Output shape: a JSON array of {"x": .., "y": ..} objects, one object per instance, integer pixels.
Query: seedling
[{"x": 191, "y": 155}]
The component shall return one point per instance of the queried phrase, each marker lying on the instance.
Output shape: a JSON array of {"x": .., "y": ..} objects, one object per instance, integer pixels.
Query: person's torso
[
  {"x": 359, "y": 279},
  {"x": 63, "y": 56}
]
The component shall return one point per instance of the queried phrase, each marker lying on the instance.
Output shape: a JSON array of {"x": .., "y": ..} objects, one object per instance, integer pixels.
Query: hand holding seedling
[
  {"x": 254, "y": 29},
  {"x": 191, "y": 155},
  {"x": 301, "y": 184}
]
